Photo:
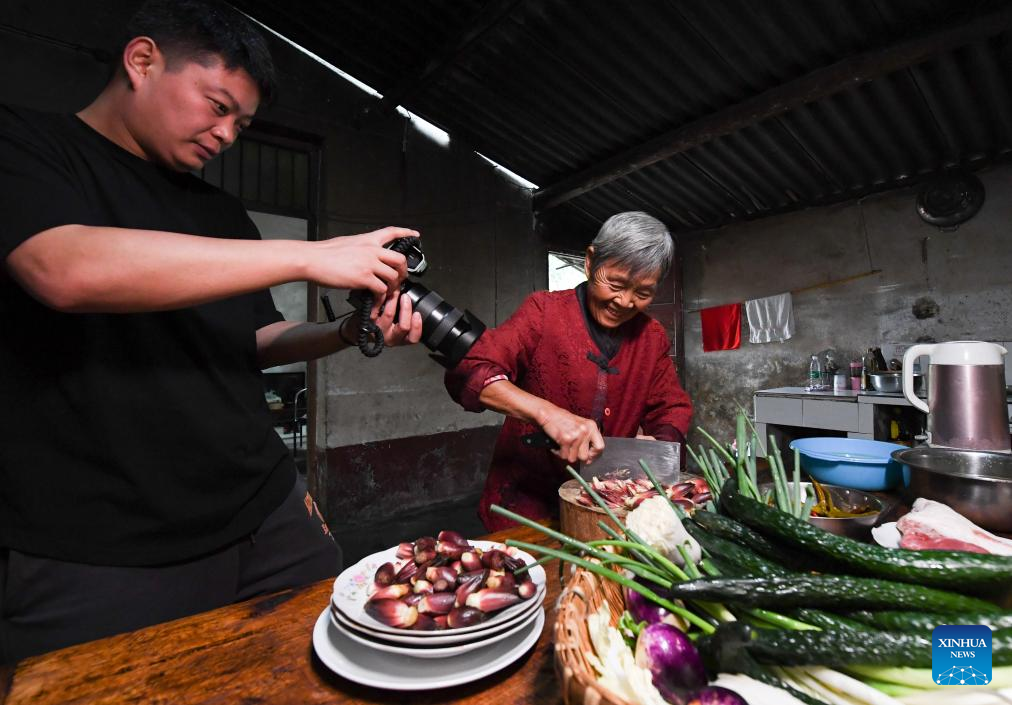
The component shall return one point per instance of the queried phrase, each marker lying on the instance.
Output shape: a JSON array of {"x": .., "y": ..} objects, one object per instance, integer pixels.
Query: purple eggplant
[
  {"x": 715, "y": 695},
  {"x": 674, "y": 664},
  {"x": 643, "y": 610}
]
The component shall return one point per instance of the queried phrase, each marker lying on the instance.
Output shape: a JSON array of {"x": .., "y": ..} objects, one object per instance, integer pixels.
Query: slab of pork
[{"x": 933, "y": 525}]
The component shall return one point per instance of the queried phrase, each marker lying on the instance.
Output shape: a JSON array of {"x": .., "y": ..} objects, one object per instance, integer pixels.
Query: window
[
  {"x": 565, "y": 270},
  {"x": 267, "y": 177}
]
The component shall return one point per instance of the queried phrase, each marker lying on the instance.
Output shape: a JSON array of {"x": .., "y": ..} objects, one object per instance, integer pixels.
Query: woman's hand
[
  {"x": 408, "y": 328},
  {"x": 578, "y": 438},
  {"x": 361, "y": 262}
]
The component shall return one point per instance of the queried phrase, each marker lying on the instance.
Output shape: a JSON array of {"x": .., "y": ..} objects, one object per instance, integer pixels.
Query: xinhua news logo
[{"x": 961, "y": 655}]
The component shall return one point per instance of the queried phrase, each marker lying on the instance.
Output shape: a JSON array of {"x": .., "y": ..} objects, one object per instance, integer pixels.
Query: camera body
[{"x": 446, "y": 330}]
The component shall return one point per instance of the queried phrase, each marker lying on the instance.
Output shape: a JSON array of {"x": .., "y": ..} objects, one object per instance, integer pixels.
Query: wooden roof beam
[{"x": 819, "y": 84}]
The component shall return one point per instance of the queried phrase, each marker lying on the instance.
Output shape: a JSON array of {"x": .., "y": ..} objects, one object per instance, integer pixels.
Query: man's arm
[
  {"x": 79, "y": 268},
  {"x": 290, "y": 341}
]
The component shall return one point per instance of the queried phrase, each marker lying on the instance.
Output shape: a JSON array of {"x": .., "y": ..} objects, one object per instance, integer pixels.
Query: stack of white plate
[{"x": 354, "y": 645}]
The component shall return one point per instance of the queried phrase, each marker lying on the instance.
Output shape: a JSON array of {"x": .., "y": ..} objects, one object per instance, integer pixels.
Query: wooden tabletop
[{"x": 258, "y": 651}]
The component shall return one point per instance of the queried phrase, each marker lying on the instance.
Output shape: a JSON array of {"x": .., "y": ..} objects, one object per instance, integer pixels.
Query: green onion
[
  {"x": 690, "y": 567},
  {"x": 660, "y": 490},
  {"x": 649, "y": 550},
  {"x": 528, "y": 566},
  {"x": 780, "y": 620},
  {"x": 709, "y": 568},
  {"x": 617, "y": 578},
  {"x": 797, "y": 482},
  {"x": 739, "y": 440}
]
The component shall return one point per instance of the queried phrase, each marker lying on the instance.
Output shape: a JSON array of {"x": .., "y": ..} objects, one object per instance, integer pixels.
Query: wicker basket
[{"x": 583, "y": 595}]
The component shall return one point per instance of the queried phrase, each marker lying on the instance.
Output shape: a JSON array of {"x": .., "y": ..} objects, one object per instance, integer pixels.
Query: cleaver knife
[{"x": 662, "y": 457}]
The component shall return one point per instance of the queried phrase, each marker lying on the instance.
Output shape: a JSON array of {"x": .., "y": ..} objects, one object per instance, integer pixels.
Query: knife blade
[{"x": 662, "y": 457}]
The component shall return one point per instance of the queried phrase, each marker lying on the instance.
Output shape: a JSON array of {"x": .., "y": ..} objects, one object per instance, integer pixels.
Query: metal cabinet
[{"x": 834, "y": 415}]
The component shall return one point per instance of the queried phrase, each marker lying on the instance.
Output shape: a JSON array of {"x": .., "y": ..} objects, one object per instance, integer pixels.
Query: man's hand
[
  {"x": 578, "y": 438},
  {"x": 361, "y": 262},
  {"x": 408, "y": 328}
]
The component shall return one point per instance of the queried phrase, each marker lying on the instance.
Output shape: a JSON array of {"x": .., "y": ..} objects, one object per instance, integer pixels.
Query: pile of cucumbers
[{"x": 871, "y": 605}]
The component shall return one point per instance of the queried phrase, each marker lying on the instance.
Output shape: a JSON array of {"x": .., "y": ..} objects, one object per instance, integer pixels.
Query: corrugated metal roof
[{"x": 549, "y": 88}]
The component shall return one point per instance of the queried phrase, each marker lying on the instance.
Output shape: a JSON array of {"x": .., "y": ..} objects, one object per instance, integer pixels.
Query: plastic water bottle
[{"x": 815, "y": 374}]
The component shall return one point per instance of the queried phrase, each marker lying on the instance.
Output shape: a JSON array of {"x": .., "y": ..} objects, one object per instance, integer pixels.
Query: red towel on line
[{"x": 721, "y": 327}]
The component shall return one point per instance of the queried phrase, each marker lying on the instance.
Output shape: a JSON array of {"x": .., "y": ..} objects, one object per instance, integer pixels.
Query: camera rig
[{"x": 446, "y": 330}]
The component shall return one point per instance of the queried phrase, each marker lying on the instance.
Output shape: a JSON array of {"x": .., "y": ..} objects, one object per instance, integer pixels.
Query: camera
[{"x": 446, "y": 330}]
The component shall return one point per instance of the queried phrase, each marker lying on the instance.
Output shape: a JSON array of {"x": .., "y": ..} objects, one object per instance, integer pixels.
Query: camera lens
[{"x": 446, "y": 330}]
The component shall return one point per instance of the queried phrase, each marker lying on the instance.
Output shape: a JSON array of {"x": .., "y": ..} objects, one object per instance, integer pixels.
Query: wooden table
[{"x": 259, "y": 651}]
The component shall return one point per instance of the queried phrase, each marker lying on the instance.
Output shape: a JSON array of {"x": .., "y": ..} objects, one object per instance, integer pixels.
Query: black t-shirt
[{"x": 125, "y": 439}]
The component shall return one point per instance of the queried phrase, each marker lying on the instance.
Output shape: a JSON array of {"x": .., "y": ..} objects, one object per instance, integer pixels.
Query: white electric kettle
[{"x": 966, "y": 394}]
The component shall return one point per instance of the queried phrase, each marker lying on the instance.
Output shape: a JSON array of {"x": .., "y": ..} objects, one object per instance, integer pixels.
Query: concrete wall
[
  {"x": 478, "y": 234},
  {"x": 933, "y": 286}
]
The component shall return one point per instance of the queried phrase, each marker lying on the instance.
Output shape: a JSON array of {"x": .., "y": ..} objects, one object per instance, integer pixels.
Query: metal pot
[
  {"x": 977, "y": 484},
  {"x": 891, "y": 381}
]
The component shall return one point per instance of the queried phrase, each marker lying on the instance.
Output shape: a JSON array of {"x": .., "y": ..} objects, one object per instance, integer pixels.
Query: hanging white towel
[{"x": 770, "y": 319}]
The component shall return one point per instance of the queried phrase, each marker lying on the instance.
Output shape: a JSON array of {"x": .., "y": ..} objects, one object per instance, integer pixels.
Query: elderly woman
[{"x": 578, "y": 364}]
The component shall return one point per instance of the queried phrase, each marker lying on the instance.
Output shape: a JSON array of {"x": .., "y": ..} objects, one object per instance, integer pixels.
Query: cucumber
[
  {"x": 830, "y": 621},
  {"x": 840, "y": 648},
  {"x": 724, "y": 652},
  {"x": 846, "y": 648},
  {"x": 731, "y": 530},
  {"x": 728, "y": 528},
  {"x": 841, "y": 591},
  {"x": 732, "y": 558},
  {"x": 896, "y": 621},
  {"x": 947, "y": 569}
]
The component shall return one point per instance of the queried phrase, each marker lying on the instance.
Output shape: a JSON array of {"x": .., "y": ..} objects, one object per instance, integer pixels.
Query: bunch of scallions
[{"x": 644, "y": 572}]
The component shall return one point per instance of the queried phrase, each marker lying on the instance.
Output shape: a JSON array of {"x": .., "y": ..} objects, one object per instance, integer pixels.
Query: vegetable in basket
[
  {"x": 641, "y": 609},
  {"x": 661, "y": 529},
  {"x": 674, "y": 664},
  {"x": 715, "y": 695}
]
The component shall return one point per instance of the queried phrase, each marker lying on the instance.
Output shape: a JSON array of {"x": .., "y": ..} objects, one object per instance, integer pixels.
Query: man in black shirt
[{"x": 140, "y": 475}]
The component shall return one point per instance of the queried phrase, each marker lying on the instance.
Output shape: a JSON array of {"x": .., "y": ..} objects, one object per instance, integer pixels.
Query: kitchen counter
[
  {"x": 851, "y": 412},
  {"x": 858, "y": 414},
  {"x": 863, "y": 396},
  {"x": 256, "y": 651}
]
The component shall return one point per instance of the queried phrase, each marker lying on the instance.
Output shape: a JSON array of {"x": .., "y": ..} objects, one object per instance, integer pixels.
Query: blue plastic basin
[{"x": 850, "y": 462}]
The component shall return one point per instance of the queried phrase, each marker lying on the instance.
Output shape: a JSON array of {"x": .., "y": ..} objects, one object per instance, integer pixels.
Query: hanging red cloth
[{"x": 721, "y": 327}]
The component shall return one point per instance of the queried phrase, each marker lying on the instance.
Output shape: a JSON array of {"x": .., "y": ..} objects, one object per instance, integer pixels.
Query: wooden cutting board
[{"x": 580, "y": 521}]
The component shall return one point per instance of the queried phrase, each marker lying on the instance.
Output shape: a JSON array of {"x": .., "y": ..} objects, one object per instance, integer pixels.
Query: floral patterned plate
[
  {"x": 394, "y": 672},
  {"x": 353, "y": 585},
  {"x": 429, "y": 651}
]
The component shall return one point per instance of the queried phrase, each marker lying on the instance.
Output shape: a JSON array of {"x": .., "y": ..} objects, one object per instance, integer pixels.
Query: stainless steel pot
[
  {"x": 977, "y": 484},
  {"x": 892, "y": 381}
]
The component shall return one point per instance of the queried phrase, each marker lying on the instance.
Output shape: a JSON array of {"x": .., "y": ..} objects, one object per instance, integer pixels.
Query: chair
[{"x": 298, "y": 419}]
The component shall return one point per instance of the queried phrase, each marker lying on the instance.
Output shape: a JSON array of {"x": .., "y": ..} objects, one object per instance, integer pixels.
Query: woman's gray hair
[{"x": 635, "y": 240}]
